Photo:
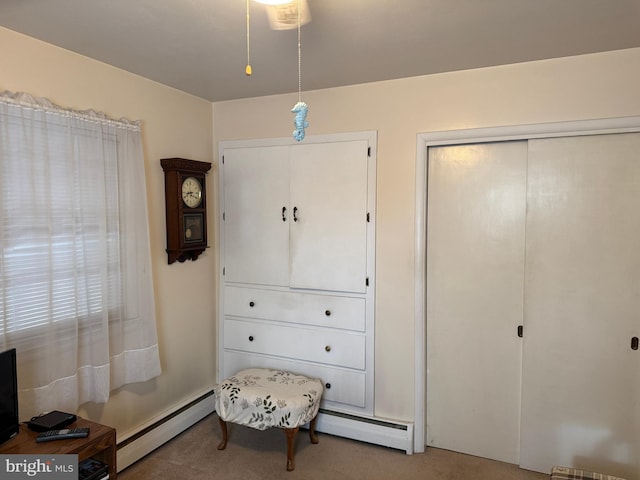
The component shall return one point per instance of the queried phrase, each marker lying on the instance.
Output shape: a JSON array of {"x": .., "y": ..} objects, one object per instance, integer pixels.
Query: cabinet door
[
  {"x": 256, "y": 232},
  {"x": 581, "y": 379},
  {"x": 475, "y": 269},
  {"x": 329, "y": 233}
]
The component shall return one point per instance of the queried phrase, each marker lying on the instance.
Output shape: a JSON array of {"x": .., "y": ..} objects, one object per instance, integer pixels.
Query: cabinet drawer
[
  {"x": 316, "y": 345},
  {"x": 340, "y": 386},
  {"x": 304, "y": 308}
]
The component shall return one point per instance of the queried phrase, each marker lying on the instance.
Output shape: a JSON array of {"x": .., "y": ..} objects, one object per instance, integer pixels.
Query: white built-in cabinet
[
  {"x": 538, "y": 237},
  {"x": 297, "y": 240}
]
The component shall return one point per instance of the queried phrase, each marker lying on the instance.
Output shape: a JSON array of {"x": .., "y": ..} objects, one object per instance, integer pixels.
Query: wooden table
[{"x": 100, "y": 444}]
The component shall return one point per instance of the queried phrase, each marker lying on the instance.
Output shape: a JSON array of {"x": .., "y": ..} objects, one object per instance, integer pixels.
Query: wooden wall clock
[{"x": 186, "y": 207}]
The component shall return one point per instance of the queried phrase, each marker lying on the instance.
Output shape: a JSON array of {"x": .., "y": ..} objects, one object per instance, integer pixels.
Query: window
[{"x": 76, "y": 297}]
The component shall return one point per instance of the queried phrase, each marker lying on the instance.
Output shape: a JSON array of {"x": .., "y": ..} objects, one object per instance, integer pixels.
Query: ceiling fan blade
[{"x": 285, "y": 17}]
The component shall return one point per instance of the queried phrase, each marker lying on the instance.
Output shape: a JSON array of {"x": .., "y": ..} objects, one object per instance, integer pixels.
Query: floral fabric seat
[{"x": 263, "y": 398}]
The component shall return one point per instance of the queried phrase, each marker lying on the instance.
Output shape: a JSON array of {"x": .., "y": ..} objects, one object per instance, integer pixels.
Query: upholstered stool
[
  {"x": 262, "y": 398},
  {"x": 566, "y": 473}
]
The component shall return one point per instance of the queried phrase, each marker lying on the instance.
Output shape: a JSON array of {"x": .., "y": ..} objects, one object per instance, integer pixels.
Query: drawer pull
[
  {"x": 327, "y": 313},
  {"x": 327, "y": 348},
  {"x": 252, "y": 304},
  {"x": 251, "y": 338},
  {"x": 327, "y": 386}
]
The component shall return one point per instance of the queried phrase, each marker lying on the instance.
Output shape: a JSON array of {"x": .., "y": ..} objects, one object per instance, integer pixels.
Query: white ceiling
[{"x": 199, "y": 46}]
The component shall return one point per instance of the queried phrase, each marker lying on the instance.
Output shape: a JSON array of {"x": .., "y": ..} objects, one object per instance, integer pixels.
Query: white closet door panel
[
  {"x": 329, "y": 238},
  {"x": 475, "y": 270},
  {"x": 581, "y": 380},
  {"x": 256, "y": 188}
]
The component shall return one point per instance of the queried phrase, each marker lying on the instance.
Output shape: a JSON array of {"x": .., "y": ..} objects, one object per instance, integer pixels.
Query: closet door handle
[
  {"x": 634, "y": 343},
  {"x": 295, "y": 211},
  {"x": 284, "y": 214}
]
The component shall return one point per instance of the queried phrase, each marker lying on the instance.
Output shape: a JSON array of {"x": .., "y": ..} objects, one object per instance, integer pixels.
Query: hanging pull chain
[
  {"x": 299, "y": 57},
  {"x": 247, "y": 70}
]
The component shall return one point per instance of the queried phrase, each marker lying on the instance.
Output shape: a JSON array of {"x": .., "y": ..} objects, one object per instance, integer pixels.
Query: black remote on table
[{"x": 65, "y": 433}]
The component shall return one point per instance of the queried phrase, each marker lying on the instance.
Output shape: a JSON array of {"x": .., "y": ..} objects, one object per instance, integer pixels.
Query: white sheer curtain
[{"x": 76, "y": 293}]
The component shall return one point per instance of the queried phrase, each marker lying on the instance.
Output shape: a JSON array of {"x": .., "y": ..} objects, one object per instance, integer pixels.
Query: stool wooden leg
[
  {"x": 291, "y": 436},
  {"x": 223, "y": 427},
  {"x": 312, "y": 430}
]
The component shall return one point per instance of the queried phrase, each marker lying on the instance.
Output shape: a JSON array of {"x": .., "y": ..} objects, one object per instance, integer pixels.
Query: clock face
[{"x": 191, "y": 192}]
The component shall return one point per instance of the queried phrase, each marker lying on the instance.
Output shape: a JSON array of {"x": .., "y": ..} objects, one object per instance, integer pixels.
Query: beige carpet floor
[{"x": 253, "y": 454}]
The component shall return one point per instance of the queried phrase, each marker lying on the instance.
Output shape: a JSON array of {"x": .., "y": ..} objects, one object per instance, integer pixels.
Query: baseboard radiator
[
  {"x": 162, "y": 429},
  {"x": 157, "y": 432},
  {"x": 387, "y": 433}
]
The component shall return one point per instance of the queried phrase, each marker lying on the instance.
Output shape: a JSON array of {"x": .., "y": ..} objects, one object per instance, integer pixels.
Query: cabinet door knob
[
  {"x": 251, "y": 338},
  {"x": 327, "y": 348},
  {"x": 327, "y": 386},
  {"x": 252, "y": 304},
  {"x": 327, "y": 313}
]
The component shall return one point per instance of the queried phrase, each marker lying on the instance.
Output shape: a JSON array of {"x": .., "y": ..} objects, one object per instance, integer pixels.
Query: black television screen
[{"x": 9, "y": 423}]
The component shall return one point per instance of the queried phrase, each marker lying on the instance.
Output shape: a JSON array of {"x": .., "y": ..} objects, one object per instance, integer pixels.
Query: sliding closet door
[
  {"x": 581, "y": 379},
  {"x": 475, "y": 263}
]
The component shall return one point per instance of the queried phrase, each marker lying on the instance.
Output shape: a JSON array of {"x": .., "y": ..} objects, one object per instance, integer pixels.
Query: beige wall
[
  {"x": 175, "y": 124},
  {"x": 575, "y": 88}
]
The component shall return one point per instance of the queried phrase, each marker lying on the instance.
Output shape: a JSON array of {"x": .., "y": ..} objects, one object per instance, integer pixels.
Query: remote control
[{"x": 62, "y": 434}]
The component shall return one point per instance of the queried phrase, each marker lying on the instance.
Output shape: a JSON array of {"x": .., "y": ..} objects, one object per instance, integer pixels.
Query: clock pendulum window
[{"x": 186, "y": 207}]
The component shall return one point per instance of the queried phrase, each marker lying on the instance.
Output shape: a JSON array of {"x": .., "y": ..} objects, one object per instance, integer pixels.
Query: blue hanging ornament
[{"x": 300, "y": 109}]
